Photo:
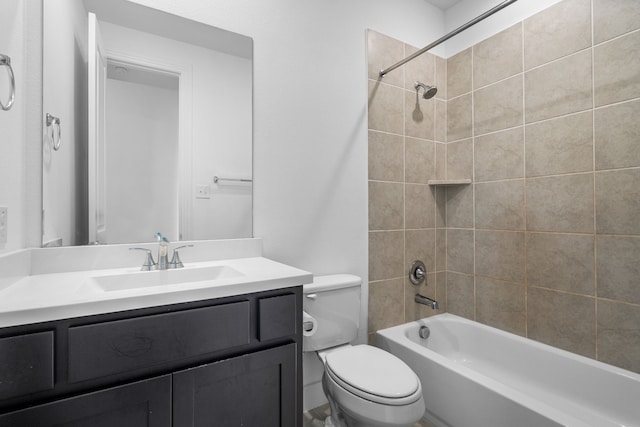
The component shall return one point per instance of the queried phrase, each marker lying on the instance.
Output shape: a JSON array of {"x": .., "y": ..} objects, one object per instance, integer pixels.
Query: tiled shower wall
[
  {"x": 405, "y": 133},
  {"x": 544, "y": 118}
]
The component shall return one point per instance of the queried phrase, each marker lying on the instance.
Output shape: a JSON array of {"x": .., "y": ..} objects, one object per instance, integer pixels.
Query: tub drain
[{"x": 424, "y": 332}]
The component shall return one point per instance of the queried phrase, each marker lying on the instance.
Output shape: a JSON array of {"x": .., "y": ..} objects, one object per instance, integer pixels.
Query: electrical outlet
[
  {"x": 4, "y": 212},
  {"x": 203, "y": 191}
]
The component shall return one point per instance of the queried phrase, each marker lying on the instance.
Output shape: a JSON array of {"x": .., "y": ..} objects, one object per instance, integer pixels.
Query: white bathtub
[{"x": 477, "y": 376}]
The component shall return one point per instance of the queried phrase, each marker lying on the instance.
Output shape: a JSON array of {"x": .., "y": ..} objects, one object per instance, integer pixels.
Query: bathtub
[{"x": 477, "y": 376}]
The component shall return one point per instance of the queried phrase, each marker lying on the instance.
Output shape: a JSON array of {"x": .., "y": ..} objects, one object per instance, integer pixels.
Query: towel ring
[
  {"x": 52, "y": 123},
  {"x": 6, "y": 61}
]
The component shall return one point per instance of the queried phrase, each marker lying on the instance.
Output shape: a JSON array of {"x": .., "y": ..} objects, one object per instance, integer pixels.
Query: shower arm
[{"x": 448, "y": 36}]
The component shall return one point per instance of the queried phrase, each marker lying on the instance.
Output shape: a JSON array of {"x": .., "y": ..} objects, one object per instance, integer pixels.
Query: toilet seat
[{"x": 374, "y": 375}]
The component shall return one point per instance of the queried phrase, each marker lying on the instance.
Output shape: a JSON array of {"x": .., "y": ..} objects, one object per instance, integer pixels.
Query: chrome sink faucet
[
  {"x": 176, "y": 262},
  {"x": 163, "y": 258},
  {"x": 163, "y": 249},
  {"x": 149, "y": 263}
]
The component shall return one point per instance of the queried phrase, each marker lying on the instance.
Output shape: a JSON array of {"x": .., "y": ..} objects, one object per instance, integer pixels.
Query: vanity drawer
[
  {"x": 26, "y": 364},
  {"x": 277, "y": 317},
  {"x": 127, "y": 345}
]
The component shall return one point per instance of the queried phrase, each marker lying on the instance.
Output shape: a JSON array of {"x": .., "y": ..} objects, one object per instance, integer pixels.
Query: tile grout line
[
  {"x": 524, "y": 191},
  {"x": 473, "y": 184},
  {"x": 593, "y": 148}
]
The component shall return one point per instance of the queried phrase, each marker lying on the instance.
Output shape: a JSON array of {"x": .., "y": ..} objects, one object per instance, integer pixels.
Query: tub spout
[{"x": 421, "y": 299}]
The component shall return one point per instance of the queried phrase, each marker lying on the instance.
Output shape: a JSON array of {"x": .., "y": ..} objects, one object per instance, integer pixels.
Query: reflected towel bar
[
  {"x": 6, "y": 61},
  {"x": 53, "y": 123},
  {"x": 448, "y": 36},
  {"x": 216, "y": 179}
]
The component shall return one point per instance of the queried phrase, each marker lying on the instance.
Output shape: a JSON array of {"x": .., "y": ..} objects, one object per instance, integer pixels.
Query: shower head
[{"x": 429, "y": 91}]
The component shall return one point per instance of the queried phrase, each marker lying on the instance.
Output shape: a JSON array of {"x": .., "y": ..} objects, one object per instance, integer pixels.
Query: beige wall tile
[
  {"x": 421, "y": 245},
  {"x": 619, "y": 334},
  {"x": 460, "y": 206},
  {"x": 564, "y": 262},
  {"x": 459, "y": 118},
  {"x": 498, "y": 57},
  {"x": 614, "y": 18},
  {"x": 441, "y": 249},
  {"x": 386, "y": 108},
  {"x": 460, "y": 159},
  {"x": 500, "y": 255},
  {"x": 500, "y": 205},
  {"x": 420, "y": 160},
  {"x": 460, "y": 250},
  {"x": 383, "y": 51},
  {"x": 420, "y": 202},
  {"x": 386, "y": 304},
  {"x": 501, "y": 305},
  {"x": 618, "y": 268},
  {"x": 419, "y": 116},
  {"x": 460, "y": 295},
  {"x": 560, "y": 203},
  {"x": 498, "y": 106},
  {"x": 618, "y": 201},
  {"x": 561, "y": 87},
  {"x": 441, "y": 291},
  {"x": 500, "y": 155},
  {"x": 561, "y": 145},
  {"x": 441, "y": 77},
  {"x": 617, "y": 135},
  {"x": 557, "y": 31},
  {"x": 386, "y": 255},
  {"x": 616, "y": 67},
  {"x": 459, "y": 74},
  {"x": 422, "y": 69},
  {"x": 386, "y": 205},
  {"x": 441, "y": 161},
  {"x": 386, "y": 156},
  {"x": 441, "y": 207},
  {"x": 441, "y": 121},
  {"x": 562, "y": 320}
]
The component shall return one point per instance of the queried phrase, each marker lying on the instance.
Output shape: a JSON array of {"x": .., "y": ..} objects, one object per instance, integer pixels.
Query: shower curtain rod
[{"x": 448, "y": 36}]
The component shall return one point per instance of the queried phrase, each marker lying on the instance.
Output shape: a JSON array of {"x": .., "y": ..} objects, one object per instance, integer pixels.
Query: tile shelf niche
[{"x": 448, "y": 182}]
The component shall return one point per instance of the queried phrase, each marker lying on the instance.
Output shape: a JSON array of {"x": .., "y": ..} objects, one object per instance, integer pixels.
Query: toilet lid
[{"x": 373, "y": 371}]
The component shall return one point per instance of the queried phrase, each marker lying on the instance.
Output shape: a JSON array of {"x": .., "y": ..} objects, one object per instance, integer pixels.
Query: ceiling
[{"x": 443, "y": 4}]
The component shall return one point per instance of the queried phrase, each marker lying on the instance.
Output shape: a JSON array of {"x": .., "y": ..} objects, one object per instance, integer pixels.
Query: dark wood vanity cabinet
[{"x": 225, "y": 362}]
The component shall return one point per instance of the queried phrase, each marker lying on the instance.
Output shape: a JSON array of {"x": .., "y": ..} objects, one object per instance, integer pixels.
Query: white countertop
[{"x": 45, "y": 296}]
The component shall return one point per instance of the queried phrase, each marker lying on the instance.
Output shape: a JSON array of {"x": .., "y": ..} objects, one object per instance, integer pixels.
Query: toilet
[{"x": 365, "y": 386}]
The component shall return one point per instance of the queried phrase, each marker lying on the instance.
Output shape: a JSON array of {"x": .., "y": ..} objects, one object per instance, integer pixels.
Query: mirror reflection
[{"x": 150, "y": 107}]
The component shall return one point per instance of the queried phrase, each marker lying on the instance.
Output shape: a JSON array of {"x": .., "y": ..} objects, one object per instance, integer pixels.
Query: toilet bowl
[{"x": 365, "y": 386}]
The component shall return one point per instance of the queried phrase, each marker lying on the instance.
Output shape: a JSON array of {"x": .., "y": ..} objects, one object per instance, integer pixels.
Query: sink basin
[{"x": 148, "y": 279}]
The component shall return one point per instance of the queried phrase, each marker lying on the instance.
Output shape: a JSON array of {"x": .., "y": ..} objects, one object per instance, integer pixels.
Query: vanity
[{"x": 84, "y": 343}]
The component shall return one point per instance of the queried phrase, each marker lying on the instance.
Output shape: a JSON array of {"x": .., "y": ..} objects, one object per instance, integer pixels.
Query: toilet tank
[{"x": 332, "y": 305}]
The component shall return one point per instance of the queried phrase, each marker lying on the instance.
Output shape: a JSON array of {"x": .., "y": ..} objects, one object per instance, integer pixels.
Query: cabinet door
[
  {"x": 257, "y": 389},
  {"x": 140, "y": 404}
]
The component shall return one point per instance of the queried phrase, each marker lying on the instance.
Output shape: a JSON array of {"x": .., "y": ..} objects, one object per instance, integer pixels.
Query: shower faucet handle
[{"x": 417, "y": 272}]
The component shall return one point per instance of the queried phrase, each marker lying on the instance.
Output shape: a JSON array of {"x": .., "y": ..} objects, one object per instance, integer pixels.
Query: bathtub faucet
[{"x": 421, "y": 299}]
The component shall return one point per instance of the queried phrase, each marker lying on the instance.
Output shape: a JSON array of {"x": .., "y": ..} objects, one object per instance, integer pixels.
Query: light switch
[{"x": 203, "y": 191}]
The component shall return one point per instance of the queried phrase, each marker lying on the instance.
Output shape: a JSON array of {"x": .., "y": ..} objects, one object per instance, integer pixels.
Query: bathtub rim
[
  {"x": 397, "y": 334},
  {"x": 529, "y": 341}
]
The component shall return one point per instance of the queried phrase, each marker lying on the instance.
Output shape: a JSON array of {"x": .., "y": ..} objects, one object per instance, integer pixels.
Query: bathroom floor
[{"x": 315, "y": 418}]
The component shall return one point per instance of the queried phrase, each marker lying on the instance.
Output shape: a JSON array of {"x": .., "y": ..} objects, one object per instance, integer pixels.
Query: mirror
[{"x": 147, "y": 127}]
